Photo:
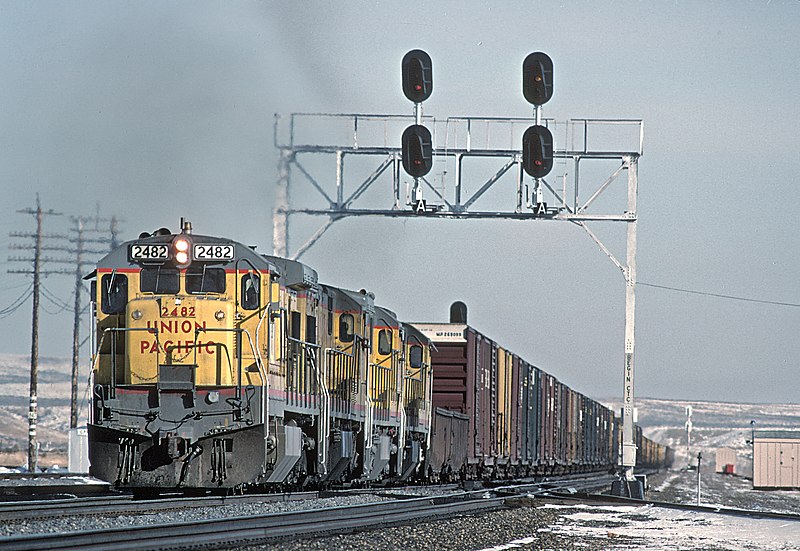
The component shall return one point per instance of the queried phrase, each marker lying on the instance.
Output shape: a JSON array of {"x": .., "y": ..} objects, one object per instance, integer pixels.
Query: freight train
[{"x": 216, "y": 367}]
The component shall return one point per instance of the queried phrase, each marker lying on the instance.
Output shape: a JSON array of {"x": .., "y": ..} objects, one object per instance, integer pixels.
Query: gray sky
[{"x": 157, "y": 111}]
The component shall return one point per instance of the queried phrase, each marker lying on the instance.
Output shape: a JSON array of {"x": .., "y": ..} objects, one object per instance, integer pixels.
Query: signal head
[
  {"x": 537, "y": 78},
  {"x": 537, "y": 151},
  {"x": 417, "y": 151},
  {"x": 417, "y": 76}
]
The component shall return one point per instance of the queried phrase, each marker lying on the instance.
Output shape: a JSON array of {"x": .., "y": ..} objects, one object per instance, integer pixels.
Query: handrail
[
  {"x": 238, "y": 350},
  {"x": 465, "y": 129},
  {"x": 113, "y": 385}
]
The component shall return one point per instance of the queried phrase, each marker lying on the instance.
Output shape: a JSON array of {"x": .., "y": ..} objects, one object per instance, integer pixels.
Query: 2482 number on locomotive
[{"x": 213, "y": 252}]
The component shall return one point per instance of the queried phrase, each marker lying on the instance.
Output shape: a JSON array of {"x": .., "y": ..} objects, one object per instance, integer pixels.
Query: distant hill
[
  {"x": 714, "y": 424},
  {"x": 53, "y": 393}
]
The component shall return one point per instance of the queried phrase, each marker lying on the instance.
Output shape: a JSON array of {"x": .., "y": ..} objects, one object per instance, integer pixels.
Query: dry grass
[{"x": 15, "y": 459}]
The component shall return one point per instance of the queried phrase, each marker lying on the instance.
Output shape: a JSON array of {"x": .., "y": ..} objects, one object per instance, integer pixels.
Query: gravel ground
[
  {"x": 68, "y": 524},
  {"x": 485, "y": 531},
  {"x": 533, "y": 525}
]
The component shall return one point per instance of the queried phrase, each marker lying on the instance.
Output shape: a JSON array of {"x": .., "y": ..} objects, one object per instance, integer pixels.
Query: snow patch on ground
[{"x": 656, "y": 528}]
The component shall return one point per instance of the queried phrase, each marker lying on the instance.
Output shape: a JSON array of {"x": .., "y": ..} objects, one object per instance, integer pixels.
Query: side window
[
  {"x": 251, "y": 297},
  {"x": 295, "y": 329},
  {"x": 415, "y": 356},
  {"x": 384, "y": 342},
  {"x": 311, "y": 329},
  {"x": 114, "y": 296},
  {"x": 162, "y": 281},
  {"x": 346, "y": 327}
]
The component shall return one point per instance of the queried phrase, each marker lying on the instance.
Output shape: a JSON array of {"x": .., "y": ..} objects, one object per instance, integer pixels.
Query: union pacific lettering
[
  {"x": 176, "y": 326},
  {"x": 177, "y": 346}
]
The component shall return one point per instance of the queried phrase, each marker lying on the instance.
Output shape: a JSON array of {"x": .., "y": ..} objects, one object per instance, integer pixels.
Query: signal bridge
[
  {"x": 464, "y": 148},
  {"x": 589, "y": 154},
  {"x": 461, "y": 145}
]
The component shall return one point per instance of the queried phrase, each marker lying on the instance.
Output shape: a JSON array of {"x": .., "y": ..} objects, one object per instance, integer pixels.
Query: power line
[
  {"x": 18, "y": 302},
  {"x": 718, "y": 295},
  {"x": 60, "y": 304}
]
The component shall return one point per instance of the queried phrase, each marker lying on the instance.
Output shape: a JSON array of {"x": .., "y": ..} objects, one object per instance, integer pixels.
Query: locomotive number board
[
  {"x": 212, "y": 252},
  {"x": 149, "y": 252}
]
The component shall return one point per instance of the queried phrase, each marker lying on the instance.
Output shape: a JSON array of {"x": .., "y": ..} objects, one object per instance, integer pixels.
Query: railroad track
[
  {"x": 402, "y": 508},
  {"x": 260, "y": 528},
  {"x": 275, "y": 527},
  {"x": 120, "y": 504},
  {"x": 124, "y": 504}
]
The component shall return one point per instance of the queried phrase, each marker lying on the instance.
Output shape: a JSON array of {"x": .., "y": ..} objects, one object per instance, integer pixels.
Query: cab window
[
  {"x": 415, "y": 356},
  {"x": 201, "y": 279},
  {"x": 162, "y": 281},
  {"x": 384, "y": 342},
  {"x": 311, "y": 329},
  {"x": 346, "y": 327},
  {"x": 114, "y": 295},
  {"x": 295, "y": 326},
  {"x": 251, "y": 297}
]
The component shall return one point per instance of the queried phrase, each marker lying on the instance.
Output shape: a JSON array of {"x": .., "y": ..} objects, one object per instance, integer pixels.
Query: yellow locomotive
[{"x": 218, "y": 367}]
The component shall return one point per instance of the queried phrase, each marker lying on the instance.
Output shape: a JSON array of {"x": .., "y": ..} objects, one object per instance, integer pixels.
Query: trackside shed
[{"x": 776, "y": 460}]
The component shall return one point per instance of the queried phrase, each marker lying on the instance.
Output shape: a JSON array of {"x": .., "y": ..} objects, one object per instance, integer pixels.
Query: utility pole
[
  {"x": 699, "y": 457},
  {"x": 37, "y": 259},
  {"x": 80, "y": 240},
  {"x": 689, "y": 434},
  {"x": 76, "y": 323},
  {"x": 32, "y": 413},
  {"x": 78, "y": 247}
]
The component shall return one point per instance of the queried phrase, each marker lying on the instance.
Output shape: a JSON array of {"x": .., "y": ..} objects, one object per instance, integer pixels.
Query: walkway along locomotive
[{"x": 218, "y": 367}]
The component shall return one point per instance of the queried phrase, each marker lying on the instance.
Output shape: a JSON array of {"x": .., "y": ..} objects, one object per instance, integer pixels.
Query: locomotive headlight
[
  {"x": 220, "y": 315},
  {"x": 136, "y": 314},
  {"x": 182, "y": 245},
  {"x": 181, "y": 249},
  {"x": 213, "y": 397}
]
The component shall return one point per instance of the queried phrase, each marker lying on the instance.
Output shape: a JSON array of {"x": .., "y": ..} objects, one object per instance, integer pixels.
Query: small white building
[
  {"x": 776, "y": 460},
  {"x": 79, "y": 450},
  {"x": 725, "y": 461}
]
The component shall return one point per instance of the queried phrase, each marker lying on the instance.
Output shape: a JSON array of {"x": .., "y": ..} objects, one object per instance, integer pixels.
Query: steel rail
[
  {"x": 255, "y": 529},
  {"x": 119, "y": 505}
]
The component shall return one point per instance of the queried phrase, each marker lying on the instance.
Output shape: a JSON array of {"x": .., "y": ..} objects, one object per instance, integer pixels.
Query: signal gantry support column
[{"x": 628, "y": 440}]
